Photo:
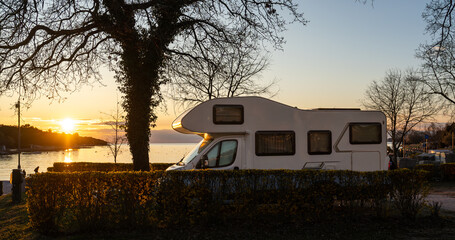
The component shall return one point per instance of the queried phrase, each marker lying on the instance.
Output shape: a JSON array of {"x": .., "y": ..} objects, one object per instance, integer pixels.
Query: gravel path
[
  {"x": 6, "y": 187},
  {"x": 447, "y": 201}
]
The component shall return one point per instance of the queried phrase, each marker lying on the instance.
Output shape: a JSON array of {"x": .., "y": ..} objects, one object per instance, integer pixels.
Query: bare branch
[
  {"x": 50, "y": 47},
  {"x": 405, "y": 101}
]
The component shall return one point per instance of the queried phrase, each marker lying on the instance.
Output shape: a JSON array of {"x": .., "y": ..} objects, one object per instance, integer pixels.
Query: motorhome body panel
[
  {"x": 258, "y": 113},
  {"x": 281, "y": 123}
]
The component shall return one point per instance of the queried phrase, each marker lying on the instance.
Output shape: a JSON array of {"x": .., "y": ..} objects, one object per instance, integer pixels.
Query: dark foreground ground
[{"x": 14, "y": 225}]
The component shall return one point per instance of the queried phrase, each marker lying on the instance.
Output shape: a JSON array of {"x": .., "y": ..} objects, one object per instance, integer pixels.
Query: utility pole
[
  {"x": 16, "y": 176},
  {"x": 18, "y": 105}
]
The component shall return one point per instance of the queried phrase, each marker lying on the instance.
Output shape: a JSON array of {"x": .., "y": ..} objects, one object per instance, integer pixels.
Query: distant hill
[
  {"x": 34, "y": 138},
  {"x": 171, "y": 136}
]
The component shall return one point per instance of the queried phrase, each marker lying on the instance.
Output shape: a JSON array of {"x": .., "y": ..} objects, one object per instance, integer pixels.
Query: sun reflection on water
[{"x": 68, "y": 155}]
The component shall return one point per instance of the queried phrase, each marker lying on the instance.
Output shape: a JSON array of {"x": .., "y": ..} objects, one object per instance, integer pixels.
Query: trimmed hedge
[
  {"x": 160, "y": 166},
  {"x": 445, "y": 172},
  {"x": 448, "y": 171},
  {"x": 101, "y": 167},
  {"x": 93, "y": 201}
]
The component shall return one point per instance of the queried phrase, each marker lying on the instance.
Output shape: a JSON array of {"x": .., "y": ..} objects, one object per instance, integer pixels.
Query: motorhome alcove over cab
[{"x": 258, "y": 133}]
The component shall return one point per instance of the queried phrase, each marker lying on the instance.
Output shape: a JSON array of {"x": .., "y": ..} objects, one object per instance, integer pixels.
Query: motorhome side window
[
  {"x": 274, "y": 143},
  {"x": 365, "y": 133},
  {"x": 228, "y": 114},
  {"x": 319, "y": 142}
]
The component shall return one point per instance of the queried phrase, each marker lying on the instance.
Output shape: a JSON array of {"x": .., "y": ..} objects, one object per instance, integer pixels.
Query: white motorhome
[{"x": 258, "y": 133}]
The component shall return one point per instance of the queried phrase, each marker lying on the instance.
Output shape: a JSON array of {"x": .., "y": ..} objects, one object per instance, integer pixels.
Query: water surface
[{"x": 159, "y": 153}]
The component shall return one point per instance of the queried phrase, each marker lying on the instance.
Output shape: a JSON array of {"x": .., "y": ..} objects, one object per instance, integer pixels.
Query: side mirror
[{"x": 203, "y": 162}]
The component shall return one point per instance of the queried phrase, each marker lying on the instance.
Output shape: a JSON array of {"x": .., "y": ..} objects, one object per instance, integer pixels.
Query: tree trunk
[
  {"x": 394, "y": 149},
  {"x": 138, "y": 126},
  {"x": 143, "y": 56},
  {"x": 141, "y": 77}
]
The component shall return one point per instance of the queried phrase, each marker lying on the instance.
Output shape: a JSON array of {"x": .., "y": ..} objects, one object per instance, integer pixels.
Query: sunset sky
[{"x": 328, "y": 63}]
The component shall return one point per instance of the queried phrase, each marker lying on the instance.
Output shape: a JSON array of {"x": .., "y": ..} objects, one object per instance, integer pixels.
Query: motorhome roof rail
[{"x": 337, "y": 109}]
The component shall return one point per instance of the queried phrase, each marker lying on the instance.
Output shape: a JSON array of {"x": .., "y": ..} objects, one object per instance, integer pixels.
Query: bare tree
[
  {"x": 51, "y": 46},
  {"x": 403, "y": 98},
  {"x": 438, "y": 55},
  {"x": 439, "y": 68},
  {"x": 218, "y": 70},
  {"x": 117, "y": 124}
]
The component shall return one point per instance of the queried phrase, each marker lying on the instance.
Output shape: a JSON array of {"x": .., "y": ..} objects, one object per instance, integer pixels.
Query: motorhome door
[{"x": 224, "y": 154}]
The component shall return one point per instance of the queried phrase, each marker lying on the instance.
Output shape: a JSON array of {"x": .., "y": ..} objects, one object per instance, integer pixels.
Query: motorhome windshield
[{"x": 196, "y": 150}]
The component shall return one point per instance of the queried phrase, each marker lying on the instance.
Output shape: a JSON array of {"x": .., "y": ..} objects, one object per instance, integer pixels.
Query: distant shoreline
[{"x": 32, "y": 139}]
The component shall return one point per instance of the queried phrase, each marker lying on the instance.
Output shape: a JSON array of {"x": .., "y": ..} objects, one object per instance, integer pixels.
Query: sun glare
[
  {"x": 68, "y": 155},
  {"x": 67, "y": 125}
]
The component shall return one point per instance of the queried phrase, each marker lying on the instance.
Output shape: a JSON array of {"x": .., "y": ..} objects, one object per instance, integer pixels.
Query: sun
[{"x": 67, "y": 125}]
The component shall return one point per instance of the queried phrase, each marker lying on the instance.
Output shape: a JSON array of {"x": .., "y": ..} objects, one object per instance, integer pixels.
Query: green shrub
[
  {"x": 425, "y": 167},
  {"x": 86, "y": 201},
  {"x": 445, "y": 172},
  {"x": 92, "y": 201},
  {"x": 160, "y": 166},
  {"x": 433, "y": 171},
  {"x": 409, "y": 191},
  {"x": 448, "y": 171},
  {"x": 435, "y": 208},
  {"x": 90, "y": 166}
]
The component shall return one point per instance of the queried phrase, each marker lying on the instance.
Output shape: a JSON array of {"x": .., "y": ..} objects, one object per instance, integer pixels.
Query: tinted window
[
  {"x": 227, "y": 153},
  {"x": 212, "y": 155},
  {"x": 272, "y": 143},
  {"x": 228, "y": 114},
  {"x": 319, "y": 142},
  {"x": 365, "y": 133},
  {"x": 222, "y": 154}
]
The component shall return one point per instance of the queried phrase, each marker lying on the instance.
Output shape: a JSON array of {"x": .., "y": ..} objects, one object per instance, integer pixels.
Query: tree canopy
[
  {"x": 47, "y": 47},
  {"x": 222, "y": 70},
  {"x": 438, "y": 54}
]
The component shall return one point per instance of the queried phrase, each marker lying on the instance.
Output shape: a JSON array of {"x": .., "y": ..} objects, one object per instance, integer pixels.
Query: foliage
[
  {"x": 90, "y": 166},
  {"x": 90, "y": 201},
  {"x": 15, "y": 225},
  {"x": 101, "y": 167},
  {"x": 160, "y": 166},
  {"x": 439, "y": 136},
  {"x": 445, "y": 172},
  {"x": 50, "y": 47},
  {"x": 448, "y": 171},
  {"x": 33, "y": 136},
  {"x": 434, "y": 171},
  {"x": 435, "y": 208},
  {"x": 93, "y": 201},
  {"x": 409, "y": 191}
]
